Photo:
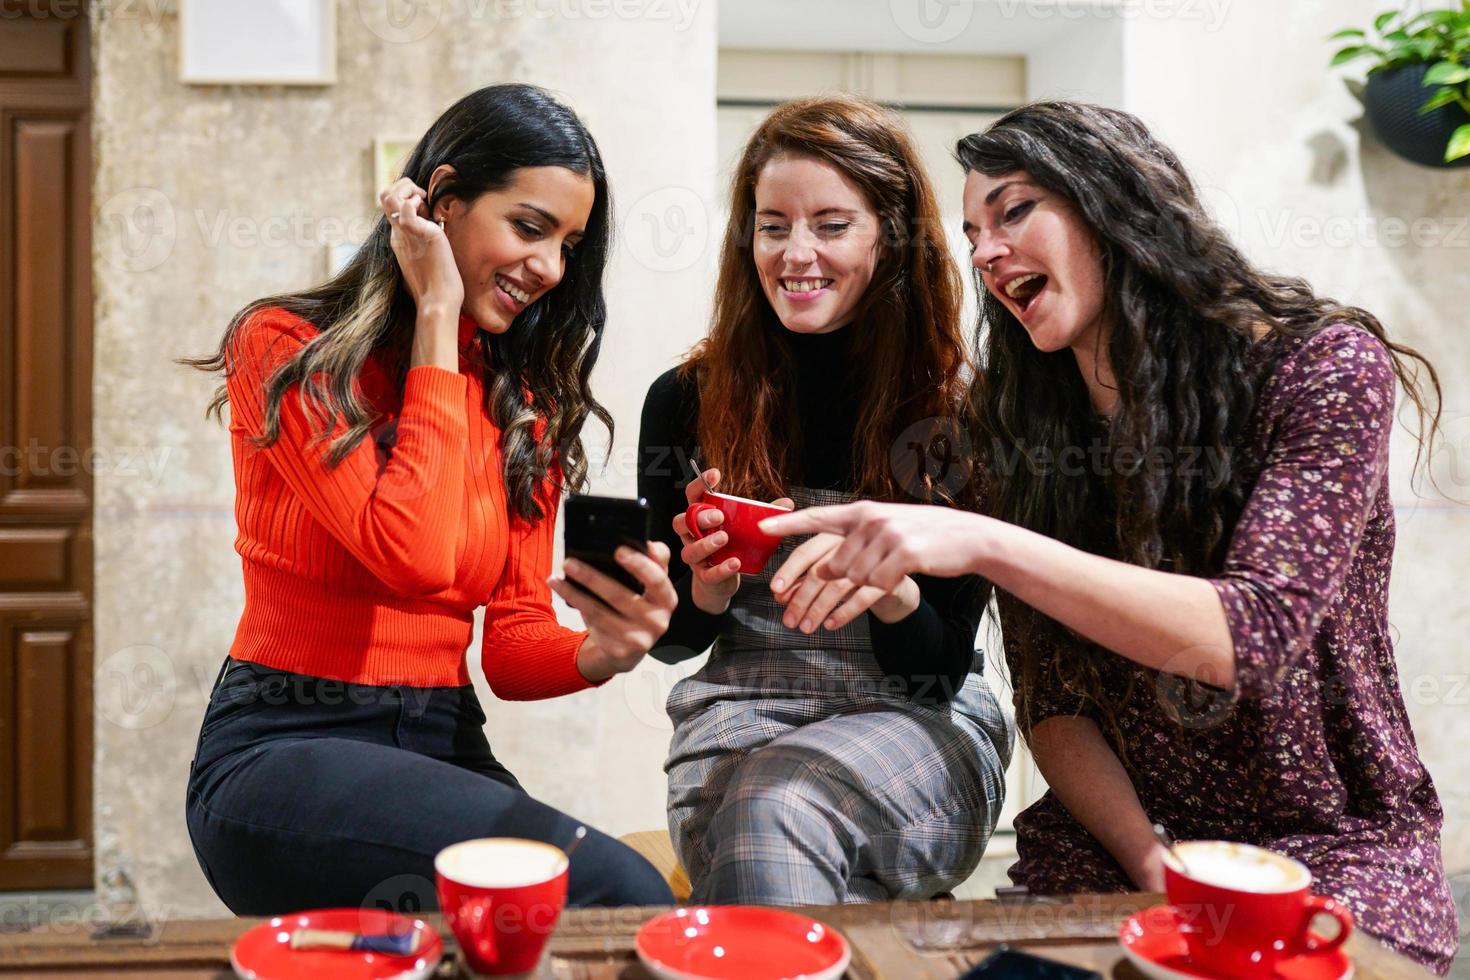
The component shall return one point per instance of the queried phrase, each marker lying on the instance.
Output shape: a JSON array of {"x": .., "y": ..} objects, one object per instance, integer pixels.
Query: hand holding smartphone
[{"x": 597, "y": 526}]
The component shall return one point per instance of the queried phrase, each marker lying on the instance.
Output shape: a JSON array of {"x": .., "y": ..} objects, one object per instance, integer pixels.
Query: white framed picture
[{"x": 260, "y": 42}]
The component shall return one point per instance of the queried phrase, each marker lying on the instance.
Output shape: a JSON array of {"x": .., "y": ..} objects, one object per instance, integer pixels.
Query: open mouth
[
  {"x": 805, "y": 288},
  {"x": 516, "y": 293},
  {"x": 1025, "y": 289}
]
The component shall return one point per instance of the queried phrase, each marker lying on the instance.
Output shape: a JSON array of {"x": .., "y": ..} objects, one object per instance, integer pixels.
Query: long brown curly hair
[
  {"x": 1183, "y": 304},
  {"x": 907, "y": 330}
]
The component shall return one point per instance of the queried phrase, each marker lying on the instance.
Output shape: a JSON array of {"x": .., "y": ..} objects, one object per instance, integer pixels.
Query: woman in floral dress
[{"x": 1184, "y": 509}]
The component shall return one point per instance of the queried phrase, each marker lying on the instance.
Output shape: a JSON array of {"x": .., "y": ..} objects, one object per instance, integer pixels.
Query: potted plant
[{"x": 1418, "y": 92}]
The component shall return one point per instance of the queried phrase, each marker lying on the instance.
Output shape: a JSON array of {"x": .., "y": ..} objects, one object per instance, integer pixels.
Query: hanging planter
[
  {"x": 1418, "y": 92},
  {"x": 1394, "y": 100}
]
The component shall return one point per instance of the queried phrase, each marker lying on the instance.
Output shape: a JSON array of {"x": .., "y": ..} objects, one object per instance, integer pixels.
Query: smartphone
[
  {"x": 1010, "y": 964},
  {"x": 596, "y": 526}
]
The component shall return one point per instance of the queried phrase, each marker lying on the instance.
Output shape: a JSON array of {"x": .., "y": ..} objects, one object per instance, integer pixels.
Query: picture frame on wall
[
  {"x": 389, "y": 155},
  {"x": 282, "y": 42}
]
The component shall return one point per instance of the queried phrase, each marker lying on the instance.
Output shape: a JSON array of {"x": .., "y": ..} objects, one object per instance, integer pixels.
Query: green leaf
[
  {"x": 1427, "y": 48},
  {"x": 1443, "y": 97},
  {"x": 1446, "y": 73},
  {"x": 1383, "y": 20},
  {"x": 1459, "y": 144},
  {"x": 1438, "y": 18},
  {"x": 1402, "y": 54},
  {"x": 1347, "y": 33},
  {"x": 1348, "y": 54}
]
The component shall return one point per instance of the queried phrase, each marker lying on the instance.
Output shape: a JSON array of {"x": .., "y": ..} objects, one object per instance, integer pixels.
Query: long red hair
[{"x": 908, "y": 330}]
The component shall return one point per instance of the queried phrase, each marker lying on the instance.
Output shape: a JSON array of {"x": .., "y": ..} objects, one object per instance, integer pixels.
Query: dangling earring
[{"x": 441, "y": 224}]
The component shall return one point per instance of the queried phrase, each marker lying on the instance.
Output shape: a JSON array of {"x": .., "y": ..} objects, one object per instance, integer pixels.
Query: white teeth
[
  {"x": 519, "y": 295},
  {"x": 1015, "y": 284},
  {"x": 804, "y": 285}
]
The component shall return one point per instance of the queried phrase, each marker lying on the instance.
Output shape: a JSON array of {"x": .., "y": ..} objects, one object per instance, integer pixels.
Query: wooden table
[{"x": 898, "y": 941}]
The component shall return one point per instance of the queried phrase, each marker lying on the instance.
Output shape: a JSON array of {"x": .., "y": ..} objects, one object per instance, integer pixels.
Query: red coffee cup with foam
[
  {"x": 1243, "y": 909},
  {"x": 501, "y": 897}
]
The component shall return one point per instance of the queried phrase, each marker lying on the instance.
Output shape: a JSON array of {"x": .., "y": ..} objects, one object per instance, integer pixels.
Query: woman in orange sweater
[{"x": 401, "y": 437}]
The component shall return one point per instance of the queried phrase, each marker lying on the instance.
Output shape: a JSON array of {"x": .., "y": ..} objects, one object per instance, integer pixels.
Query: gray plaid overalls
[{"x": 798, "y": 775}]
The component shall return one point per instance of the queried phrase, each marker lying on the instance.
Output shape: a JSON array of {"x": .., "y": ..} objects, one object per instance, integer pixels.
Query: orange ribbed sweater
[{"x": 370, "y": 571}]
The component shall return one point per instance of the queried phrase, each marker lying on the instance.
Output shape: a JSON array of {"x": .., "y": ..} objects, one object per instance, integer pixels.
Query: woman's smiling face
[
  {"x": 512, "y": 245},
  {"x": 1036, "y": 255},
  {"x": 815, "y": 243}
]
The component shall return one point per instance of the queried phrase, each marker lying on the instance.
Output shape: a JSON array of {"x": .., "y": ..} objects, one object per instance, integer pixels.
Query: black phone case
[
  {"x": 1011, "y": 964},
  {"x": 596, "y": 526}
]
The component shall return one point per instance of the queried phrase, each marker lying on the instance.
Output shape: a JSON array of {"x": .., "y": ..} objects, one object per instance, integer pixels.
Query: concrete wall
[{"x": 210, "y": 196}]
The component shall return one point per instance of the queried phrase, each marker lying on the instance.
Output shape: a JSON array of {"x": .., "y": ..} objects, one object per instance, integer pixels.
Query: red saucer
[
  {"x": 265, "y": 953},
  {"x": 740, "y": 942},
  {"x": 1152, "y": 940}
]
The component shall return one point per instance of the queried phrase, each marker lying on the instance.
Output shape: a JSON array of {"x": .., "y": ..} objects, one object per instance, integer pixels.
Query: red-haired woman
[{"x": 813, "y": 765}]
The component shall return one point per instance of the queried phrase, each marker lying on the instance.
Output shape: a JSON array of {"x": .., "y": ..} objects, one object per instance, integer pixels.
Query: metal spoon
[
  {"x": 1163, "y": 837},
  {"x": 699, "y": 474}
]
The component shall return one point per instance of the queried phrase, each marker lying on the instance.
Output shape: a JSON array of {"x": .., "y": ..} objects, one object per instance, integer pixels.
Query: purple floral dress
[{"x": 1313, "y": 756}]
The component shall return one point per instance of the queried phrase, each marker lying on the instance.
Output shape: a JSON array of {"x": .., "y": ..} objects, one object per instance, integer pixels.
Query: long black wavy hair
[
  {"x": 1183, "y": 305},
  {"x": 537, "y": 386}
]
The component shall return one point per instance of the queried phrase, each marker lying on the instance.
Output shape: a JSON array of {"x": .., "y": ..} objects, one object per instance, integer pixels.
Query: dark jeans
[{"x": 314, "y": 793}]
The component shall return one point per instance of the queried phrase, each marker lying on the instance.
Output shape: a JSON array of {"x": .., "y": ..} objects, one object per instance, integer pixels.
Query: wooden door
[{"x": 46, "y": 457}]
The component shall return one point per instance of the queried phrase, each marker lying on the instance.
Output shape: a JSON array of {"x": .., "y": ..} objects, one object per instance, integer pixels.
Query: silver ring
[{"x": 393, "y": 216}]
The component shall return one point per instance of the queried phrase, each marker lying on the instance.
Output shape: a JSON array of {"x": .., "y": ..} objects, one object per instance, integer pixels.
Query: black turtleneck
[{"x": 931, "y": 651}]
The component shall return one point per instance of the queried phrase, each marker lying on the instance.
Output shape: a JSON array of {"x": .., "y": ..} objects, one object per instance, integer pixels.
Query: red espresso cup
[
  {"x": 1244, "y": 909},
  {"x": 748, "y": 542},
  {"x": 501, "y": 897}
]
